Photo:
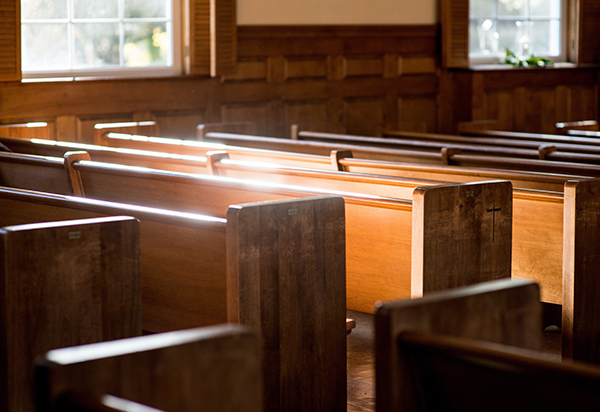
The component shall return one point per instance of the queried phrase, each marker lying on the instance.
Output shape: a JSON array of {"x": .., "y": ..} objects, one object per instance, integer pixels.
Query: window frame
[
  {"x": 209, "y": 38},
  {"x": 564, "y": 31},
  {"x": 172, "y": 69},
  {"x": 583, "y": 34}
]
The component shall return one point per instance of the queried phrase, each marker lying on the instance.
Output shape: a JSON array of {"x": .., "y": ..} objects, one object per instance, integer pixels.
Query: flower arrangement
[{"x": 531, "y": 61}]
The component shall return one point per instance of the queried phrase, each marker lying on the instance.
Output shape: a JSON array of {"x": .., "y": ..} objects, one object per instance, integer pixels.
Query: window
[
  {"x": 525, "y": 27},
  {"x": 96, "y": 37},
  {"x": 580, "y": 31}
]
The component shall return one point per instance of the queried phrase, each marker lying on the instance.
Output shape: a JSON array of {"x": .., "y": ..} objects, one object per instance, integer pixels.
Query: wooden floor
[{"x": 361, "y": 360}]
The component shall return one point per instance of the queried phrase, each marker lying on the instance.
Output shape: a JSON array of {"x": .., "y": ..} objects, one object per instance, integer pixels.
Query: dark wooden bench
[
  {"x": 39, "y": 130},
  {"x": 474, "y": 349},
  {"x": 191, "y": 156},
  {"x": 537, "y": 251},
  {"x": 195, "y": 271},
  {"x": 379, "y": 230},
  {"x": 64, "y": 283},
  {"x": 446, "y": 155},
  {"x": 550, "y": 147},
  {"x": 402, "y": 140},
  {"x": 147, "y": 128},
  {"x": 225, "y": 127},
  {"x": 565, "y": 127},
  {"x": 215, "y": 368}
]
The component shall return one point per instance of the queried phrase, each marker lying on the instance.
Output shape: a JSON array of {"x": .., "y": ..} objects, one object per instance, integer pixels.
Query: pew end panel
[
  {"x": 215, "y": 368},
  {"x": 462, "y": 234},
  {"x": 64, "y": 283},
  {"x": 298, "y": 248},
  {"x": 581, "y": 260},
  {"x": 505, "y": 311}
]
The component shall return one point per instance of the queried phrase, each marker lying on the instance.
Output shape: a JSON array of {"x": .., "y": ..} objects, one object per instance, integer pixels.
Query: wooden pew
[
  {"x": 378, "y": 234},
  {"x": 401, "y": 140},
  {"x": 215, "y": 368},
  {"x": 39, "y": 130},
  {"x": 447, "y": 155},
  {"x": 537, "y": 251},
  {"x": 549, "y": 147},
  {"x": 226, "y": 127},
  {"x": 149, "y": 127},
  {"x": 471, "y": 349},
  {"x": 577, "y": 138},
  {"x": 64, "y": 283},
  {"x": 196, "y": 270},
  {"x": 590, "y": 136},
  {"x": 505, "y": 312},
  {"x": 338, "y": 160},
  {"x": 537, "y": 243},
  {"x": 34, "y": 173},
  {"x": 564, "y": 127}
]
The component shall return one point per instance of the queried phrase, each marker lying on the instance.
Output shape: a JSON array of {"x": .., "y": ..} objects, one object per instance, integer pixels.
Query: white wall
[{"x": 336, "y": 12}]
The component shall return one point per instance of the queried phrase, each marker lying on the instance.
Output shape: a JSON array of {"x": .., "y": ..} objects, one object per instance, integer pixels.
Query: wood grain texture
[
  {"x": 65, "y": 283},
  {"x": 503, "y": 311},
  {"x": 34, "y": 173},
  {"x": 581, "y": 257},
  {"x": 303, "y": 257},
  {"x": 374, "y": 272},
  {"x": 490, "y": 372},
  {"x": 466, "y": 235},
  {"x": 182, "y": 255},
  {"x": 216, "y": 368}
]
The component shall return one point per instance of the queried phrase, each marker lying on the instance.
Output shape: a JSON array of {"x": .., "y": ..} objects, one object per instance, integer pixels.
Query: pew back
[
  {"x": 216, "y": 368},
  {"x": 459, "y": 374},
  {"x": 504, "y": 311},
  {"x": 348, "y": 162},
  {"x": 378, "y": 236}
]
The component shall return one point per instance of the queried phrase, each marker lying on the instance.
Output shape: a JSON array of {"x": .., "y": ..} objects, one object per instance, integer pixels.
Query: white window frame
[
  {"x": 564, "y": 26},
  {"x": 174, "y": 60}
]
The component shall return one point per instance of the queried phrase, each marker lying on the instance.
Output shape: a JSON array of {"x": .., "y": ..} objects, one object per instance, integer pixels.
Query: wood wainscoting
[{"x": 345, "y": 79}]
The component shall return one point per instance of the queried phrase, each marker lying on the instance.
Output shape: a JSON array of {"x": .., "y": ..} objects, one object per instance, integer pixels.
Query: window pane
[
  {"x": 483, "y": 38},
  {"x": 146, "y": 44},
  {"x": 483, "y": 8},
  {"x": 545, "y": 8},
  {"x": 96, "y": 45},
  {"x": 507, "y": 31},
  {"x": 545, "y": 38},
  {"x": 145, "y": 8},
  {"x": 43, "y": 9},
  {"x": 44, "y": 47},
  {"x": 95, "y": 9},
  {"x": 512, "y": 8}
]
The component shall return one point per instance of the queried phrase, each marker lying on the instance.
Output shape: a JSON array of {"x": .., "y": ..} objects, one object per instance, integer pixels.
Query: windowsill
[
  {"x": 108, "y": 78},
  {"x": 558, "y": 65}
]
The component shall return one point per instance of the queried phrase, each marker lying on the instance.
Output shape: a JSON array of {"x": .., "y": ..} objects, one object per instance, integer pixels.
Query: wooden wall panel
[
  {"x": 258, "y": 113},
  {"x": 365, "y": 117},
  {"x": 530, "y": 100},
  {"x": 342, "y": 79},
  {"x": 179, "y": 124},
  {"x": 419, "y": 110},
  {"x": 307, "y": 115}
]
